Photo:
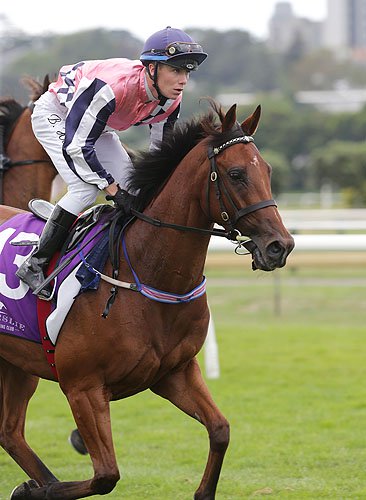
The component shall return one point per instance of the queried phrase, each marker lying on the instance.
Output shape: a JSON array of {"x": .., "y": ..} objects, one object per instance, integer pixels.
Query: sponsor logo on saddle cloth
[{"x": 18, "y": 305}]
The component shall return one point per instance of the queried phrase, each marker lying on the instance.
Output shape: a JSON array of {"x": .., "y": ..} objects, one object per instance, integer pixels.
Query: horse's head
[
  {"x": 235, "y": 194},
  {"x": 240, "y": 195}
]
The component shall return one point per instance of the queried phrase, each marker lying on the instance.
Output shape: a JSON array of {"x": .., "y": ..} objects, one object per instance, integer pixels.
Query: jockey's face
[{"x": 171, "y": 81}]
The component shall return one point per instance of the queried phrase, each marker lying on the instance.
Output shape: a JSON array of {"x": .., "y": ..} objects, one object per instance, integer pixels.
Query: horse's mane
[
  {"x": 10, "y": 109},
  {"x": 152, "y": 168}
]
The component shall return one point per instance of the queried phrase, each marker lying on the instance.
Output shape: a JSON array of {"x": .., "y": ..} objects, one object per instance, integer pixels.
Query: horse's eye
[{"x": 237, "y": 175}]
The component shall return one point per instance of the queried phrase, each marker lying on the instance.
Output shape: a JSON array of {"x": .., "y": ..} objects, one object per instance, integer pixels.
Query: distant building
[
  {"x": 282, "y": 26},
  {"x": 345, "y": 28},
  {"x": 343, "y": 31},
  {"x": 286, "y": 30}
]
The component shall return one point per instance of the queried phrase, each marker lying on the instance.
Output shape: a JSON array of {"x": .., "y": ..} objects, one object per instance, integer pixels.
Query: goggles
[{"x": 176, "y": 49}]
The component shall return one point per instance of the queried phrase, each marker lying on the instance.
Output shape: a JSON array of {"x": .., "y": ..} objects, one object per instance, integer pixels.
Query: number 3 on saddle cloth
[{"x": 22, "y": 314}]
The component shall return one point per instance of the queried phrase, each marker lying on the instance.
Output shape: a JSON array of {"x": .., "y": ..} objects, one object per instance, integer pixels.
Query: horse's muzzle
[{"x": 273, "y": 255}]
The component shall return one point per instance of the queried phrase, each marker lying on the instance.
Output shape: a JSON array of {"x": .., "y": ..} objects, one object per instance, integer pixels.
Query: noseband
[{"x": 232, "y": 233}]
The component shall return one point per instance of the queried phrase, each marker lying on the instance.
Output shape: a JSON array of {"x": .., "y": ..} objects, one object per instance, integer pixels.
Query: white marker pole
[{"x": 211, "y": 352}]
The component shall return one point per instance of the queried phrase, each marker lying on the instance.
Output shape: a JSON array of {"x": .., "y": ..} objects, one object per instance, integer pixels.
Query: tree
[
  {"x": 343, "y": 165},
  {"x": 281, "y": 170}
]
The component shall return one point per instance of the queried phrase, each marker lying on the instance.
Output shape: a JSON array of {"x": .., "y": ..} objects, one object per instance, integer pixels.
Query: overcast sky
[{"x": 143, "y": 17}]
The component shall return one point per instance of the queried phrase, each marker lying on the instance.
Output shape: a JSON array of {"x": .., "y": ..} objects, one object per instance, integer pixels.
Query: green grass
[{"x": 292, "y": 384}]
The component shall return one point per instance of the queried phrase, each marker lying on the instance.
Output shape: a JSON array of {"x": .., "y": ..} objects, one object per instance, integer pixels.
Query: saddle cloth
[{"x": 18, "y": 305}]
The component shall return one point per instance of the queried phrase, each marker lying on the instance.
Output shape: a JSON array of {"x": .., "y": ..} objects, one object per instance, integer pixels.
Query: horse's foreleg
[
  {"x": 187, "y": 390},
  {"x": 91, "y": 411},
  {"x": 16, "y": 389},
  {"x": 90, "y": 408}
]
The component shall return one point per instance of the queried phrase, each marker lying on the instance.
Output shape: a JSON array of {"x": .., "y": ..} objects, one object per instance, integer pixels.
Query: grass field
[{"x": 292, "y": 348}]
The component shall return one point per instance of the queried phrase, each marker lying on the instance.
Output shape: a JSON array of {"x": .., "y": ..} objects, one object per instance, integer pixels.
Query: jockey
[{"x": 76, "y": 118}]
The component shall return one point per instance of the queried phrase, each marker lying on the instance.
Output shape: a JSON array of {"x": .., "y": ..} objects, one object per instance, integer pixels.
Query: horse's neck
[
  {"x": 22, "y": 183},
  {"x": 169, "y": 257}
]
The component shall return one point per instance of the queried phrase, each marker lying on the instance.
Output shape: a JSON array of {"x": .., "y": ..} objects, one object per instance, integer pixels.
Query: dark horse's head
[{"x": 236, "y": 190}]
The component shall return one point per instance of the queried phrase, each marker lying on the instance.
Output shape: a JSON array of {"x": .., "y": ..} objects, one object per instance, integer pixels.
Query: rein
[
  {"x": 117, "y": 235},
  {"x": 232, "y": 234},
  {"x": 6, "y": 163},
  {"x": 159, "y": 223}
]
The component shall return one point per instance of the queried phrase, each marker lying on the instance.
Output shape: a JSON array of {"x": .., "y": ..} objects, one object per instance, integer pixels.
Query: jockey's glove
[{"x": 122, "y": 200}]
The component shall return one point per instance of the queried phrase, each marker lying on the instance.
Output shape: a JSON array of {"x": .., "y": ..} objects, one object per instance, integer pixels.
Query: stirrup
[
  {"x": 38, "y": 291},
  {"x": 41, "y": 208}
]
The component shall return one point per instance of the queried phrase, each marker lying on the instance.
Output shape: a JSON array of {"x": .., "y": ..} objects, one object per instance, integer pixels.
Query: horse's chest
[
  {"x": 155, "y": 344},
  {"x": 178, "y": 356},
  {"x": 152, "y": 366}
]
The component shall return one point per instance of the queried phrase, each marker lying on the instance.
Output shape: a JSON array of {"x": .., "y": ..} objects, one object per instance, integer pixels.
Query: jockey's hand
[{"x": 122, "y": 200}]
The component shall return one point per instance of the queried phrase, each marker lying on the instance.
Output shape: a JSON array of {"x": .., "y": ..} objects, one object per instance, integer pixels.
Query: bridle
[
  {"x": 218, "y": 184},
  {"x": 231, "y": 232}
]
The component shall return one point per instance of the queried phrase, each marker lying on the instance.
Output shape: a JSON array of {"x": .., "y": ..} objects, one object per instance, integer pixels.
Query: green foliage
[
  {"x": 342, "y": 164},
  {"x": 347, "y": 126},
  {"x": 233, "y": 63},
  {"x": 322, "y": 70},
  {"x": 237, "y": 62},
  {"x": 45, "y": 55},
  {"x": 280, "y": 170}
]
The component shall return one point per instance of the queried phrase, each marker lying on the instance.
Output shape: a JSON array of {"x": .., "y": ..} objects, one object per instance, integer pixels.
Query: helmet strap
[{"x": 154, "y": 78}]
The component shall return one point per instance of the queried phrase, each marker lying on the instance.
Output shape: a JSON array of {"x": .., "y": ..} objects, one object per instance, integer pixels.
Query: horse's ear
[
  {"x": 250, "y": 125},
  {"x": 229, "y": 119},
  {"x": 46, "y": 82}
]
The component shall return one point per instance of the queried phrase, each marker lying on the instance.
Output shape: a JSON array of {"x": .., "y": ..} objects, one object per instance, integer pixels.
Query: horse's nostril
[{"x": 275, "y": 249}]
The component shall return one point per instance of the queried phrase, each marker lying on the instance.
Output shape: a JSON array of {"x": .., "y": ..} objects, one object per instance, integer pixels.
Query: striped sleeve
[{"x": 88, "y": 113}]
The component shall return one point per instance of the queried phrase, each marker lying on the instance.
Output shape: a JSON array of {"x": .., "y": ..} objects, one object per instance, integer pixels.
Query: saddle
[
  {"x": 22, "y": 314},
  {"x": 101, "y": 219},
  {"x": 84, "y": 223}
]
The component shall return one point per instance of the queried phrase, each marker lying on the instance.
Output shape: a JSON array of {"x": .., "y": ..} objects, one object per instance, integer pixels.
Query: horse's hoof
[
  {"x": 23, "y": 491},
  {"x": 77, "y": 442}
]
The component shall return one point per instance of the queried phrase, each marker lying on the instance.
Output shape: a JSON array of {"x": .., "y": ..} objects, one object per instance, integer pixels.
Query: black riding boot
[{"x": 52, "y": 238}]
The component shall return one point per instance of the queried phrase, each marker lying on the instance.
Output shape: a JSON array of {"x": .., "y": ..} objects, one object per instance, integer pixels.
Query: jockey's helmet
[{"x": 173, "y": 47}]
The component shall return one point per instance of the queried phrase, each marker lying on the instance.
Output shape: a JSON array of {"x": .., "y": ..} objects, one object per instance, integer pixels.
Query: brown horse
[
  {"x": 208, "y": 171},
  {"x": 26, "y": 171}
]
